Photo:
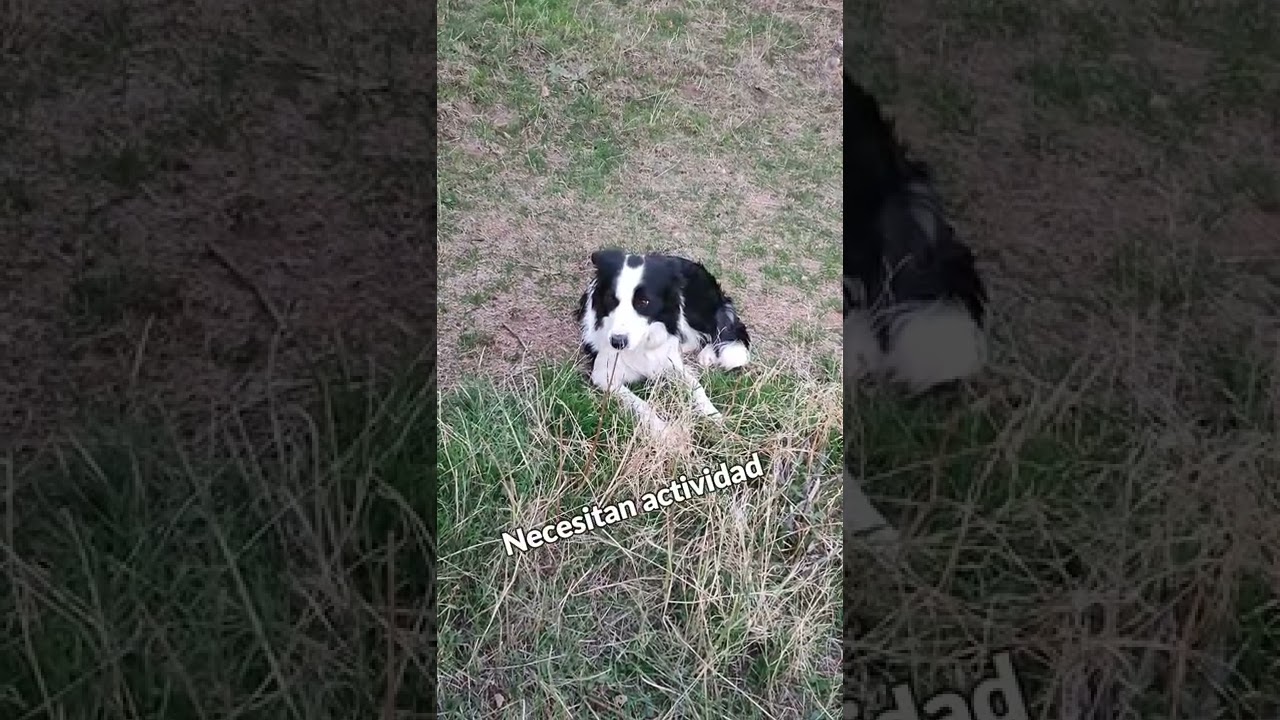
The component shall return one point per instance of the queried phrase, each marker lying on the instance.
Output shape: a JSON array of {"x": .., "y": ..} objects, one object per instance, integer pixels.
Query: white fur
[
  {"x": 861, "y": 349},
  {"x": 734, "y": 355},
  {"x": 862, "y": 518},
  {"x": 933, "y": 344},
  {"x": 615, "y": 369},
  {"x": 729, "y": 356}
]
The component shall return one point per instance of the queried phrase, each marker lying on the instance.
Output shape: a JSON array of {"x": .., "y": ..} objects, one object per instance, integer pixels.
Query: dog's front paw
[
  {"x": 657, "y": 426},
  {"x": 707, "y": 410}
]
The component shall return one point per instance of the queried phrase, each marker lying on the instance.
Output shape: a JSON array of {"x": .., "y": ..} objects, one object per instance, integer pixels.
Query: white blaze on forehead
[{"x": 628, "y": 280}]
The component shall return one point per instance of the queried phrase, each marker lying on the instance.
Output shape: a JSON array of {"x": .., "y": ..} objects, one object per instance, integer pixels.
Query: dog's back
[
  {"x": 872, "y": 149},
  {"x": 904, "y": 266},
  {"x": 710, "y": 312}
]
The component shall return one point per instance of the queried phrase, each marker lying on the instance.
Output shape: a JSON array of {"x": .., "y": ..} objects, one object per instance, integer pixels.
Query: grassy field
[
  {"x": 1104, "y": 501},
  {"x": 710, "y": 129},
  {"x": 217, "y": 412}
]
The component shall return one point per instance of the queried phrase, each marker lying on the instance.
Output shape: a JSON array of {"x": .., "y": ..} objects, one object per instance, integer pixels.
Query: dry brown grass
[{"x": 720, "y": 606}]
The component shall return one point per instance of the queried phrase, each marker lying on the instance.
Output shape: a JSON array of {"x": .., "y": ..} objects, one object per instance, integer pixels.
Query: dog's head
[{"x": 636, "y": 298}]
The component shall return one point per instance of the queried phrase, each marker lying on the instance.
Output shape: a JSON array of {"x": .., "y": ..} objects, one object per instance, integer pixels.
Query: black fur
[
  {"x": 707, "y": 308},
  {"x": 900, "y": 247}
]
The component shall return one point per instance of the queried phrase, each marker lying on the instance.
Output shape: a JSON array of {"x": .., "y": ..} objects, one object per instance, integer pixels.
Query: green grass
[
  {"x": 720, "y": 606},
  {"x": 997, "y": 19},
  {"x": 950, "y": 105}
]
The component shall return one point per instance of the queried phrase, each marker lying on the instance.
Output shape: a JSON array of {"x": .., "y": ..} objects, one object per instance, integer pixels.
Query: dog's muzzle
[{"x": 619, "y": 342}]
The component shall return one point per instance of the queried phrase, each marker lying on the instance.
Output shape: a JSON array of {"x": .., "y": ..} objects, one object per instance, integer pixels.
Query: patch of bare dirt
[
  {"x": 514, "y": 261},
  {"x": 277, "y": 204}
]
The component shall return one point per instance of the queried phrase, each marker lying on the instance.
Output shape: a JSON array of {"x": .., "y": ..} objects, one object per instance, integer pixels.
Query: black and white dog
[
  {"x": 913, "y": 301},
  {"x": 641, "y": 313}
]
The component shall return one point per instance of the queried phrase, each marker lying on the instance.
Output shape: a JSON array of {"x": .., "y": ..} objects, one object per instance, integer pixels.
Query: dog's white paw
[
  {"x": 657, "y": 426},
  {"x": 734, "y": 355},
  {"x": 707, "y": 357}
]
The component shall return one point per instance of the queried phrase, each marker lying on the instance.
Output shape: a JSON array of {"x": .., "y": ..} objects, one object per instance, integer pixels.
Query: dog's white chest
[{"x": 617, "y": 368}]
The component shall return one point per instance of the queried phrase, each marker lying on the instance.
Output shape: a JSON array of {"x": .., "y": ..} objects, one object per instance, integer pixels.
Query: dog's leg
[
  {"x": 607, "y": 376},
  {"x": 700, "y": 399},
  {"x": 862, "y": 519},
  {"x": 641, "y": 408},
  {"x": 730, "y": 355}
]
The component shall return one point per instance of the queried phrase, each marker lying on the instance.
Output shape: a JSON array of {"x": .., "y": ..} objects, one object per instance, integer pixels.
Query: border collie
[
  {"x": 913, "y": 300},
  {"x": 641, "y": 313}
]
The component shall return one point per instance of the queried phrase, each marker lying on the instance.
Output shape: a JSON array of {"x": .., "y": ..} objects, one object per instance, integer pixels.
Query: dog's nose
[{"x": 619, "y": 342}]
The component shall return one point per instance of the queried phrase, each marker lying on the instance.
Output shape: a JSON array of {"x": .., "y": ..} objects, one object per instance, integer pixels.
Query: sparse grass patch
[
  {"x": 475, "y": 340},
  {"x": 103, "y": 298},
  {"x": 1093, "y": 27},
  {"x": 747, "y": 26},
  {"x": 1242, "y": 381},
  {"x": 1250, "y": 26},
  {"x": 1156, "y": 271},
  {"x": 703, "y": 130},
  {"x": 1095, "y": 89},
  {"x": 719, "y": 606},
  {"x": 15, "y": 197},
  {"x": 1237, "y": 79},
  {"x": 125, "y": 164},
  {"x": 1043, "y": 136},
  {"x": 1255, "y": 179},
  {"x": 950, "y": 105}
]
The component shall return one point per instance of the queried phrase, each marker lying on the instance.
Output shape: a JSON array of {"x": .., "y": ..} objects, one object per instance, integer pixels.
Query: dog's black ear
[{"x": 607, "y": 259}]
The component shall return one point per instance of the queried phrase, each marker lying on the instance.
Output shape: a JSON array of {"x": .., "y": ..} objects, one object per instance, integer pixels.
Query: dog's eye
[{"x": 642, "y": 302}]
